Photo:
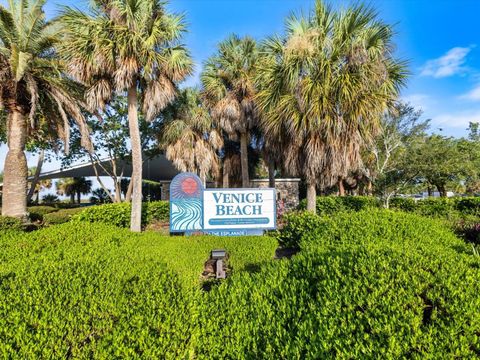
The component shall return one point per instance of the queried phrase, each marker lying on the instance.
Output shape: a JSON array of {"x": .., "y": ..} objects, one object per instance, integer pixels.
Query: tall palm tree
[
  {"x": 189, "y": 137},
  {"x": 229, "y": 89},
  {"x": 127, "y": 46},
  {"x": 82, "y": 186},
  {"x": 31, "y": 83},
  {"x": 72, "y": 187},
  {"x": 323, "y": 87},
  {"x": 66, "y": 187}
]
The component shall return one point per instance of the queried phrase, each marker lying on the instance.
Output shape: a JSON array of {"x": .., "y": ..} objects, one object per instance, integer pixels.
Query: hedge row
[
  {"x": 9, "y": 223},
  {"x": 118, "y": 214},
  {"x": 371, "y": 284},
  {"x": 436, "y": 207},
  {"x": 82, "y": 290}
]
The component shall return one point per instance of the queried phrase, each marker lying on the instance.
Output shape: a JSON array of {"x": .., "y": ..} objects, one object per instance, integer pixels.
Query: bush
[
  {"x": 297, "y": 225},
  {"x": 369, "y": 284},
  {"x": 436, "y": 207},
  {"x": 357, "y": 203},
  {"x": 10, "y": 223},
  {"x": 119, "y": 214},
  {"x": 157, "y": 211},
  {"x": 373, "y": 284},
  {"x": 61, "y": 216},
  {"x": 404, "y": 204},
  {"x": 81, "y": 290},
  {"x": 50, "y": 199},
  {"x": 113, "y": 214},
  {"x": 86, "y": 291},
  {"x": 36, "y": 213},
  {"x": 469, "y": 205}
]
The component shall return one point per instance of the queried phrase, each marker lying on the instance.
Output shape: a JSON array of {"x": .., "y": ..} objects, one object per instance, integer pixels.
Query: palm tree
[
  {"x": 229, "y": 89},
  {"x": 82, "y": 186},
  {"x": 31, "y": 83},
  {"x": 127, "y": 46},
  {"x": 72, "y": 187},
  {"x": 66, "y": 187},
  {"x": 189, "y": 137},
  {"x": 324, "y": 85}
]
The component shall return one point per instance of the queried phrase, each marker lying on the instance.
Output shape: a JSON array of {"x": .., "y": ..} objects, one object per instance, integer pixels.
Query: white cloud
[
  {"x": 447, "y": 65},
  {"x": 418, "y": 101},
  {"x": 473, "y": 94},
  {"x": 457, "y": 120}
]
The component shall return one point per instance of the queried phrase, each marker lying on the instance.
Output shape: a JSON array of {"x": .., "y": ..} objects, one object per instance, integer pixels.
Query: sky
[{"x": 439, "y": 38}]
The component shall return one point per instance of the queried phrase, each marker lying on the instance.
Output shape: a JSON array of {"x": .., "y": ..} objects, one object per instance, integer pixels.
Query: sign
[{"x": 220, "y": 211}]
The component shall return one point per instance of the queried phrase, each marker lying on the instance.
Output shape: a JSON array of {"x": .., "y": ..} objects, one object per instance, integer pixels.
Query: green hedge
[
  {"x": 82, "y": 290},
  {"x": 373, "y": 284},
  {"x": 296, "y": 226},
  {"x": 369, "y": 285},
  {"x": 455, "y": 207},
  {"x": 119, "y": 214},
  {"x": 36, "y": 213},
  {"x": 61, "y": 216},
  {"x": 85, "y": 291},
  {"x": 10, "y": 223}
]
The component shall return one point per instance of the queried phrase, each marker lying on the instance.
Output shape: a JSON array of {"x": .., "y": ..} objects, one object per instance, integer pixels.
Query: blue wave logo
[{"x": 187, "y": 215}]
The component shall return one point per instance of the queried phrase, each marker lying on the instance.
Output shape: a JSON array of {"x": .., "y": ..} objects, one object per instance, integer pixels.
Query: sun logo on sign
[{"x": 186, "y": 186}]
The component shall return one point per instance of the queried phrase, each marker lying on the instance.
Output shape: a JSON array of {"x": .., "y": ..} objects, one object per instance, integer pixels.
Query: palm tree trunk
[
  {"x": 226, "y": 172},
  {"x": 341, "y": 187},
  {"x": 136, "y": 215},
  {"x": 38, "y": 170},
  {"x": 311, "y": 197},
  {"x": 72, "y": 198},
  {"x": 79, "y": 200},
  {"x": 244, "y": 159},
  {"x": 271, "y": 174},
  {"x": 15, "y": 171}
]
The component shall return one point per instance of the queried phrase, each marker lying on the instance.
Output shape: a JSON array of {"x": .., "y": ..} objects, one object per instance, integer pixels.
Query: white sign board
[{"x": 239, "y": 209}]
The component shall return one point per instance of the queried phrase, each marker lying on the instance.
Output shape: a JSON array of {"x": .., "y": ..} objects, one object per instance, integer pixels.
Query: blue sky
[{"x": 440, "y": 38}]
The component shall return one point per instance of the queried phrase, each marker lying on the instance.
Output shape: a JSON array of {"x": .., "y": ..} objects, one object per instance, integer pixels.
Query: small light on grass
[{"x": 219, "y": 255}]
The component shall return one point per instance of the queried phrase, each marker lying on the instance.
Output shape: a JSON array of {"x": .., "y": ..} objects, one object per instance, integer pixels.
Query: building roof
[{"x": 157, "y": 169}]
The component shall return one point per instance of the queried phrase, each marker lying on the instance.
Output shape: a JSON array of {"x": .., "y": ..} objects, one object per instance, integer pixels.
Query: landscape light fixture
[{"x": 219, "y": 255}]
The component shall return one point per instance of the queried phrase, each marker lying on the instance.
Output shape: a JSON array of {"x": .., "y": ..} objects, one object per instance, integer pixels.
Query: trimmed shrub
[
  {"x": 296, "y": 226},
  {"x": 36, "y": 213},
  {"x": 61, "y": 216},
  {"x": 373, "y": 284},
  {"x": 157, "y": 211},
  {"x": 436, "y": 207},
  {"x": 10, "y": 223},
  {"x": 469, "y": 205},
  {"x": 82, "y": 290},
  {"x": 357, "y": 203},
  {"x": 118, "y": 214},
  {"x": 404, "y": 204},
  {"x": 85, "y": 291}
]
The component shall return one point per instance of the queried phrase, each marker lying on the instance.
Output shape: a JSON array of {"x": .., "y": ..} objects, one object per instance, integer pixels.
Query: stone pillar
[{"x": 287, "y": 191}]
